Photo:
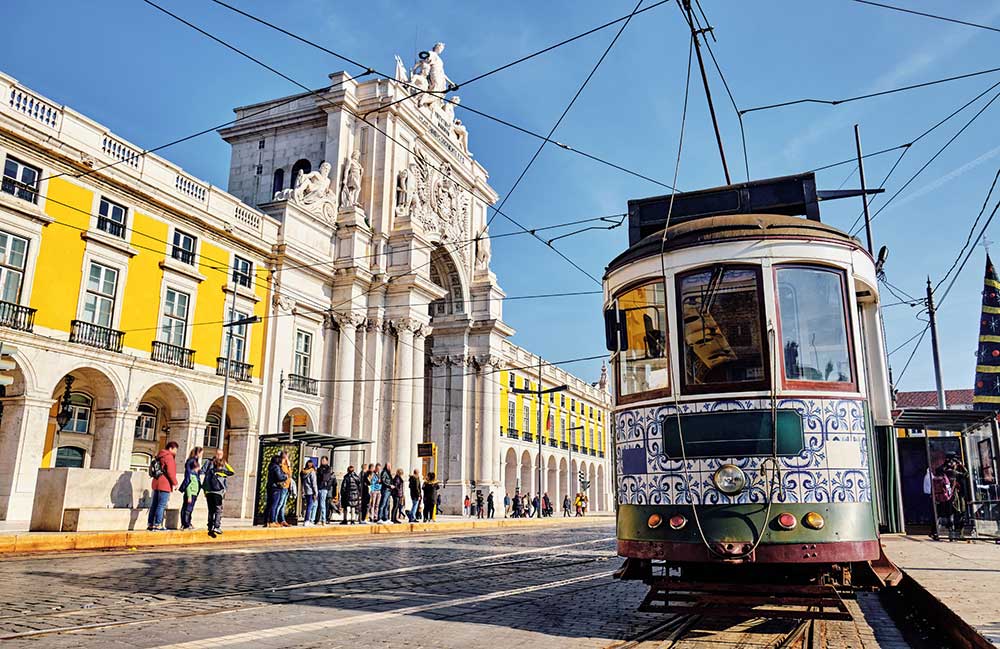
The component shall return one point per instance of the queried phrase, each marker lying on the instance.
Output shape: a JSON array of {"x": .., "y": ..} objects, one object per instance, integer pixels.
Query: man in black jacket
[
  {"x": 325, "y": 481},
  {"x": 385, "y": 479},
  {"x": 414, "y": 486}
]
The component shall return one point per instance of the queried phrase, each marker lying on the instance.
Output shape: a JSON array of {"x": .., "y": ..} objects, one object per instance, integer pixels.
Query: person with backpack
[
  {"x": 214, "y": 484},
  {"x": 287, "y": 489},
  {"x": 163, "y": 471},
  {"x": 309, "y": 491},
  {"x": 350, "y": 496},
  {"x": 190, "y": 486},
  {"x": 324, "y": 483},
  {"x": 385, "y": 487},
  {"x": 414, "y": 486},
  {"x": 430, "y": 496},
  {"x": 276, "y": 478}
]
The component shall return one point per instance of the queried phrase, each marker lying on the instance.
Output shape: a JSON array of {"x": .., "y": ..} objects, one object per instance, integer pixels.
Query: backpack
[
  {"x": 943, "y": 491},
  {"x": 156, "y": 468},
  {"x": 214, "y": 482}
]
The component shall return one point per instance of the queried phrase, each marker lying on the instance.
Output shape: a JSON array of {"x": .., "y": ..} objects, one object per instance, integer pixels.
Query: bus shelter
[
  {"x": 925, "y": 439},
  {"x": 301, "y": 446}
]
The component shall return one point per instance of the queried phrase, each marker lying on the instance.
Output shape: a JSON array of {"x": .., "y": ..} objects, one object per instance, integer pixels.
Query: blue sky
[{"x": 151, "y": 80}]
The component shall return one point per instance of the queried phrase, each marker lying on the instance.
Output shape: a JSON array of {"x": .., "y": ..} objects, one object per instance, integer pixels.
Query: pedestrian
[
  {"x": 430, "y": 496},
  {"x": 479, "y": 504},
  {"x": 374, "y": 493},
  {"x": 566, "y": 505},
  {"x": 324, "y": 483},
  {"x": 310, "y": 489},
  {"x": 536, "y": 503},
  {"x": 546, "y": 505},
  {"x": 350, "y": 496},
  {"x": 398, "y": 495},
  {"x": 366, "y": 494},
  {"x": 216, "y": 472},
  {"x": 276, "y": 478},
  {"x": 190, "y": 486},
  {"x": 385, "y": 500},
  {"x": 163, "y": 471},
  {"x": 506, "y": 504},
  {"x": 955, "y": 509},
  {"x": 490, "y": 507},
  {"x": 465, "y": 505},
  {"x": 437, "y": 502},
  {"x": 286, "y": 489},
  {"x": 584, "y": 501},
  {"x": 578, "y": 504},
  {"x": 518, "y": 504},
  {"x": 414, "y": 486}
]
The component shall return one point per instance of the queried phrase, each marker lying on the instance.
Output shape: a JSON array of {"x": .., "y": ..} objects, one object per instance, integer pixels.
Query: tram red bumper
[{"x": 836, "y": 552}]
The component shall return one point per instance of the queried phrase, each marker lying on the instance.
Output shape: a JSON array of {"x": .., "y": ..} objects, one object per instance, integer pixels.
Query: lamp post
[
  {"x": 571, "y": 431},
  {"x": 228, "y": 326},
  {"x": 538, "y": 393}
]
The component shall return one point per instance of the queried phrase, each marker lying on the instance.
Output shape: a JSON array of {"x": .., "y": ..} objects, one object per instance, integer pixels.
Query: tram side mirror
[{"x": 615, "y": 330}]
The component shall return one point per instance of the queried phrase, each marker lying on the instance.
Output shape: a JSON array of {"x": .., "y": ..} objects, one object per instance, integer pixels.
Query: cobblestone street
[{"x": 543, "y": 587}]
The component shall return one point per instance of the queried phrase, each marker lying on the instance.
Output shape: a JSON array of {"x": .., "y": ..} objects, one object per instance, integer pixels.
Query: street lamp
[
  {"x": 538, "y": 393},
  {"x": 65, "y": 410},
  {"x": 571, "y": 431},
  {"x": 228, "y": 326}
]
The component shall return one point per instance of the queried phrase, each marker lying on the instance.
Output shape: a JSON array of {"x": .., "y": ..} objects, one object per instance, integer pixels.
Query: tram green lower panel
[{"x": 741, "y": 523}]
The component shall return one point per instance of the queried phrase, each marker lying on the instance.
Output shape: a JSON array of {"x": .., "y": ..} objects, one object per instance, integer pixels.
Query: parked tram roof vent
[{"x": 790, "y": 195}]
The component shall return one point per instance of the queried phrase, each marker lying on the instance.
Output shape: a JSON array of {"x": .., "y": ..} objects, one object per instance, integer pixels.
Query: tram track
[
  {"x": 698, "y": 632},
  {"x": 491, "y": 567}
]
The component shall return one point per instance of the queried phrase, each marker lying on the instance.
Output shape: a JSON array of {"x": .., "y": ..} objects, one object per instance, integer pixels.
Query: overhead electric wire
[
  {"x": 968, "y": 239},
  {"x": 881, "y": 186},
  {"x": 373, "y": 125},
  {"x": 968, "y": 255},
  {"x": 912, "y": 354},
  {"x": 927, "y": 15},
  {"x": 464, "y": 83},
  {"x": 935, "y": 156},
  {"x": 847, "y": 100},
  {"x": 559, "y": 121},
  {"x": 907, "y": 342}
]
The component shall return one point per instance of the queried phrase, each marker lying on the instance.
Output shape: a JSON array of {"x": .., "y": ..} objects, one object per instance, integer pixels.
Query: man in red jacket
[{"x": 163, "y": 470}]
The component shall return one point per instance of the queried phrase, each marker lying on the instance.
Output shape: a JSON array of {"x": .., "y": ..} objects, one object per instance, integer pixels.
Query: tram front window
[
  {"x": 722, "y": 344},
  {"x": 813, "y": 325},
  {"x": 642, "y": 366}
]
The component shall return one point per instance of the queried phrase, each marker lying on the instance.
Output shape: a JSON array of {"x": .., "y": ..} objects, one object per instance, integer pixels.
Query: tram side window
[
  {"x": 723, "y": 342},
  {"x": 813, "y": 325},
  {"x": 642, "y": 366}
]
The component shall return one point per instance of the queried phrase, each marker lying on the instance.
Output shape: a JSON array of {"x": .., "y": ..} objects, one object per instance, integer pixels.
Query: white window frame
[
  {"x": 21, "y": 166},
  {"x": 212, "y": 421},
  {"x": 177, "y": 252},
  {"x": 527, "y": 416},
  {"x": 75, "y": 410},
  {"x": 146, "y": 422},
  {"x": 172, "y": 318},
  {"x": 238, "y": 276},
  {"x": 106, "y": 215},
  {"x": 6, "y": 268},
  {"x": 300, "y": 355},
  {"x": 86, "y": 292},
  {"x": 511, "y": 415},
  {"x": 231, "y": 316}
]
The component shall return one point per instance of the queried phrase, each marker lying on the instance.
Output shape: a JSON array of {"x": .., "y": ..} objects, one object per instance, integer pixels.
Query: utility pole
[
  {"x": 574, "y": 479},
  {"x": 228, "y": 326},
  {"x": 708, "y": 92},
  {"x": 538, "y": 394},
  {"x": 931, "y": 312},
  {"x": 864, "y": 192}
]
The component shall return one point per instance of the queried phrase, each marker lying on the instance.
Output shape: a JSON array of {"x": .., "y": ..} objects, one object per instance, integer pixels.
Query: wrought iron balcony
[
  {"x": 553, "y": 443},
  {"x": 114, "y": 228},
  {"x": 93, "y": 335},
  {"x": 600, "y": 454},
  {"x": 564, "y": 445},
  {"x": 304, "y": 384},
  {"x": 512, "y": 433},
  {"x": 528, "y": 437},
  {"x": 16, "y": 316},
  {"x": 593, "y": 452},
  {"x": 238, "y": 370},
  {"x": 172, "y": 355},
  {"x": 576, "y": 448}
]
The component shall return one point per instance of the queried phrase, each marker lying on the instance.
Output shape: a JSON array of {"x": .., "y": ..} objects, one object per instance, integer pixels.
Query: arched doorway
[
  {"x": 602, "y": 492},
  {"x": 592, "y": 491},
  {"x": 163, "y": 415},
  {"x": 88, "y": 400},
  {"x": 296, "y": 420},
  {"x": 563, "y": 480},
  {"x": 445, "y": 274},
  {"x": 510, "y": 472},
  {"x": 551, "y": 481},
  {"x": 527, "y": 486},
  {"x": 214, "y": 434}
]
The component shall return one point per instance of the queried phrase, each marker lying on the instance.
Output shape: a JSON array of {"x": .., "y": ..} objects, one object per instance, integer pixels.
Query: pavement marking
[{"x": 361, "y": 618}]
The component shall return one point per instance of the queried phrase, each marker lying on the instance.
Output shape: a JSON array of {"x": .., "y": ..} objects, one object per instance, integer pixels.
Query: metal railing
[
  {"x": 114, "y": 228},
  {"x": 600, "y": 454},
  {"x": 15, "y": 316},
  {"x": 304, "y": 384},
  {"x": 172, "y": 355},
  {"x": 564, "y": 445},
  {"x": 553, "y": 443},
  {"x": 92, "y": 335},
  {"x": 576, "y": 448},
  {"x": 512, "y": 433},
  {"x": 528, "y": 437},
  {"x": 238, "y": 370},
  {"x": 182, "y": 255},
  {"x": 15, "y": 187}
]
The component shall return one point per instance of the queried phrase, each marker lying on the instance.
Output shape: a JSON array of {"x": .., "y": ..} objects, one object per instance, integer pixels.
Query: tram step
[{"x": 741, "y": 600}]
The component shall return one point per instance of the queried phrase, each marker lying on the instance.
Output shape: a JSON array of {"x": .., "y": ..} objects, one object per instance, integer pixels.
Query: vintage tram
[{"x": 749, "y": 373}]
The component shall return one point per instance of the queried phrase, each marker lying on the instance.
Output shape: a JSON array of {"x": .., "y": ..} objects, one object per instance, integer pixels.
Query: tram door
[{"x": 917, "y": 510}]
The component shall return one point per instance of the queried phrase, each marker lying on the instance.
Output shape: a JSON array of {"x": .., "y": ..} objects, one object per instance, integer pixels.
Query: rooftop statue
[{"x": 314, "y": 193}]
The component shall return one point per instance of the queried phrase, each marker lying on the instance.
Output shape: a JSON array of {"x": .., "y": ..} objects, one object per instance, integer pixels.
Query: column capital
[{"x": 489, "y": 362}]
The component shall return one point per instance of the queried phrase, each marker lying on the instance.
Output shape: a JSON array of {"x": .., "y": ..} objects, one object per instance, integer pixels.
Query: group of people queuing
[
  {"x": 524, "y": 506},
  {"x": 478, "y": 506},
  {"x": 376, "y": 494},
  {"x": 200, "y": 475}
]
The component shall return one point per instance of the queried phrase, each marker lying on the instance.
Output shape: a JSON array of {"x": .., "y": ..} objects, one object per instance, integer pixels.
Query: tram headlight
[
  {"x": 654, "y": 521},
  {"x": 814, "y": 520},
  {"x": 730, "y": 479}
]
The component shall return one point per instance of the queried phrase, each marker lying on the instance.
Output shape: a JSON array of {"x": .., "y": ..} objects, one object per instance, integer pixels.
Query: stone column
[
  {"x": 343, "y": 393},
  {"x": 110, "y": 438},
  {"x": 188, "y": 434},
  {"x": 417, "y": 427},
  {"x": 22, "y": 444},
  {"x": 242, "y": 456},
  {"x": 489, "y": 423},
  {"x": 403, "y": 440},
  {"x": 373, "y": 384}
]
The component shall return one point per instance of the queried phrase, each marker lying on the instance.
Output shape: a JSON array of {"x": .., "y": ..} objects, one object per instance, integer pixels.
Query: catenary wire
[
  {"x": 968, "y": 239},
  {"x": 881, "y": 186},
  {"x": 927, "y": 15},
  {"x": 847, "y": 100}
]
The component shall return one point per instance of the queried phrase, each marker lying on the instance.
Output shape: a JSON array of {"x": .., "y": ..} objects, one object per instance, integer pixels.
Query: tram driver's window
[
  {"x": 811, "y": 313},
  {"x": 642, "y": 365},
  {"x": 723, "y": 341}
]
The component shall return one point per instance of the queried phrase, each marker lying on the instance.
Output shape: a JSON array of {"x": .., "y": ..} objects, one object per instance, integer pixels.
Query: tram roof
[
  {"x": 931, "y": 419},
  {"x": 315, "y": 439},
  {"x": 717, "y": 229}
]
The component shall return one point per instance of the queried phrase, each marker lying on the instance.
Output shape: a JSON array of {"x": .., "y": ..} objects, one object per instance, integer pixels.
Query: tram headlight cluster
[{"x": 730, "y": 479}]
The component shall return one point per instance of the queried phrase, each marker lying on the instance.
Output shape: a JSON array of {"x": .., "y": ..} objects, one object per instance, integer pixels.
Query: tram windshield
[
  {"x": 722, "y": 343},
  {"x": 642, "y": 365},
  {"x": 813, "y": 325}
]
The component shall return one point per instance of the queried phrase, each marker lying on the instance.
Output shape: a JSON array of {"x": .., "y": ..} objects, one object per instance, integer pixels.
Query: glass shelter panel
[
  {"x": 642, "y": 366},
  {"x": 723, "y": 341},
  {"x": 813, "y": 322}
]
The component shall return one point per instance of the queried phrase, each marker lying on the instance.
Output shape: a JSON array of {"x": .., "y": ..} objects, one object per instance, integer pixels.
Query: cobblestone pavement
[{"x": 540, "y": 587}]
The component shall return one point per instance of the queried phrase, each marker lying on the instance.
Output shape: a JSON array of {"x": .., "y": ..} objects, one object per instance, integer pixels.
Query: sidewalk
[
  {"x": 239, "y": 530},
  {"x": 960, "y": 577}
]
